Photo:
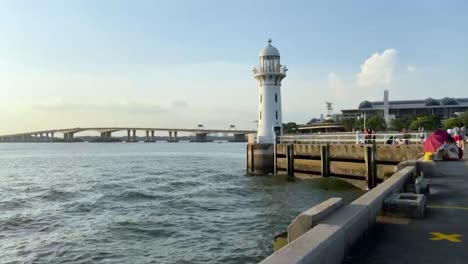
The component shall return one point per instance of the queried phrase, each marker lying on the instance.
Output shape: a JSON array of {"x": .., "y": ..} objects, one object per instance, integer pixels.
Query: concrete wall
[{"x": 329, "y": 241}]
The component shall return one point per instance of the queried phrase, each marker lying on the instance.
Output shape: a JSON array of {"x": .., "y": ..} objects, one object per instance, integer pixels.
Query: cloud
[
  {"x": 411, "y": 68},
  {"x": 378, "y": 69}
]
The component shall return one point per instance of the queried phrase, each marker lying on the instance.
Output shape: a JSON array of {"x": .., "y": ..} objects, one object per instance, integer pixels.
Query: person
[
  {"x": 406, "y": 136},
  {"x": 366, "y": 136},
  {"x": 390, "y": 140},
  {"x": 357, "y": 137},
  {"x": 448, "y": 151},
  {"x": 457, "y": 137},
  {"x": 463, "y": 135}
]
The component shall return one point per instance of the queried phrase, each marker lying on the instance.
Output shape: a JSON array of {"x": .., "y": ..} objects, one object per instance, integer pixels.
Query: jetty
[{"x": 416, "y": 215}]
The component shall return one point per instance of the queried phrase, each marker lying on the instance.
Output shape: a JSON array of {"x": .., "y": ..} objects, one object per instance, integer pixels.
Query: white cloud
[
  {"x": 411, "y": 68},
  {"x": 378, "y": 69}
]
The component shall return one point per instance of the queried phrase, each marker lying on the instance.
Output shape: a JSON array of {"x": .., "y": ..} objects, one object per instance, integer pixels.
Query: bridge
[{"x": 201, "y": 135}]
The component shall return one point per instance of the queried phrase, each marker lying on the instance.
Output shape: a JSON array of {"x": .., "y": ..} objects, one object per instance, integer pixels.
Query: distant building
[{"x": 403, "y": 109}]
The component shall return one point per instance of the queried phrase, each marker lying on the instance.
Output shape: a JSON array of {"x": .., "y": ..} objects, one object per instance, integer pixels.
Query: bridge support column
[
  {"x": 201, "y": 137},
  {"x": 47, "y": 137},
  {"x": 147, "y": 136},
  {"x": 68, "y": 137},
  {"x": 52, "y": 136},
  {"x": 134, "y": 135},
  {"x": 42, "y": 137},
  {"x": 128, "y": 135},
  {"x": 152, "y": 136},
  {"x": 173, "y": 138},
  {"x": 239, "y": 138}
]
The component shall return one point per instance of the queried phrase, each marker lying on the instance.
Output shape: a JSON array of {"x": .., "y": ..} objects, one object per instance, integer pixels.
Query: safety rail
[
  {"x": 270, "y": 69},
  {"x": 355, "y": 138}
]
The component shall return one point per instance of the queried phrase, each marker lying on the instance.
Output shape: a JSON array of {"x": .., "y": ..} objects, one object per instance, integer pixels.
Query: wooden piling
[
  {"x": 325, "y": 158},
  {"x": 371, "y": 165},
  {"x": 290, "y": 160}
]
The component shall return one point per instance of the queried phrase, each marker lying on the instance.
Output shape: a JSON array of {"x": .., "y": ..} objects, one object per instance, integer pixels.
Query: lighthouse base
[{"x": 260, "y": 159}]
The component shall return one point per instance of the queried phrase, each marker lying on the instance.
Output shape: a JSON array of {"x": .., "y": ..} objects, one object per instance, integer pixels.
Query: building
[
  {"x": 404, "y": 109},
  {"x": 269, "y": 74}
]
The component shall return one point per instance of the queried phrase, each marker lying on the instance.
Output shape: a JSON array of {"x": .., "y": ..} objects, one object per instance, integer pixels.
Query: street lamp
[{"x": 363, "y": 115}]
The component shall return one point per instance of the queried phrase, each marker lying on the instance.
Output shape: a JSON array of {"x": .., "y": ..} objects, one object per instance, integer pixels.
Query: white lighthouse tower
[{"x": 269, "y": 74}]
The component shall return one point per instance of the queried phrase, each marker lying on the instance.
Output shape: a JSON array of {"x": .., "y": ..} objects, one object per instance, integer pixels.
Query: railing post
[
  {"x": 290, "y": 160},
  {"x": 371, "y": 165},
  {"x": 325, "y": 160}
]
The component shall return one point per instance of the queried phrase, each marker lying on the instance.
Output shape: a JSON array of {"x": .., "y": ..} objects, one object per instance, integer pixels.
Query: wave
[{"x": 56, "y": 195}]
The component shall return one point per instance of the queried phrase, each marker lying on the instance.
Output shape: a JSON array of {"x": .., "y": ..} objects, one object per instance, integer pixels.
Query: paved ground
[{"x": 440, "y": 237}]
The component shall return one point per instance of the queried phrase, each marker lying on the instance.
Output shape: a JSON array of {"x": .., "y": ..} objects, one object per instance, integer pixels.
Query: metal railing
[
  {"x": 355, "y": 138},
  {"x": 260, "y": 70}
]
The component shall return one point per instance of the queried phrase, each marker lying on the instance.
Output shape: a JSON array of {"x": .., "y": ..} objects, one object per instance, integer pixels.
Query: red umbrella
[{"x": 435, "y": 140}]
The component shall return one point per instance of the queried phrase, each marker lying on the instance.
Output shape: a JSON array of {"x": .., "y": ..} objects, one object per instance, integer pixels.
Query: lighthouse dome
[{"x": 269, "y": 50}]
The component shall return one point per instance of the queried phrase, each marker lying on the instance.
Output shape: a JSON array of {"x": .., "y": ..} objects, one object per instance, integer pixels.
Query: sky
[{"x": 180, "y": 63}]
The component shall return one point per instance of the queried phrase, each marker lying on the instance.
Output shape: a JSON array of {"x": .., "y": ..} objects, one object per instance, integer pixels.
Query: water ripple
[{"x": 142, "y": 203}]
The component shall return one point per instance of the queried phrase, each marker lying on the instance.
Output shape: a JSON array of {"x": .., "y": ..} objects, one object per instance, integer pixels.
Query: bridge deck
[{"x": 410, "y": 240}]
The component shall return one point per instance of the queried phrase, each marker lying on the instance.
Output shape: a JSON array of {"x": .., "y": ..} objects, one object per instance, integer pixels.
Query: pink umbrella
[{"x": 435, "y": 140}]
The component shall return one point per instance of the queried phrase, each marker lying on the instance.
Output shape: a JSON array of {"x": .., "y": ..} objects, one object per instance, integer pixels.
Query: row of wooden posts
[{"x": 370, "y": 160}]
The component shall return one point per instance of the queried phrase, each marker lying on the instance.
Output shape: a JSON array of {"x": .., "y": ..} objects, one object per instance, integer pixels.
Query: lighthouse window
[
  {"x": 276, "y": 98},
  {"x": 276, "y": 114},
  {"x": 260, "y": 115},
  {"x": 260, "y": 98}
]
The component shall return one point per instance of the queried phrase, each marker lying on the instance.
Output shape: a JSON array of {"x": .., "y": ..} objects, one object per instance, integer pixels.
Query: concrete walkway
[{"x": 440, "y": 237}]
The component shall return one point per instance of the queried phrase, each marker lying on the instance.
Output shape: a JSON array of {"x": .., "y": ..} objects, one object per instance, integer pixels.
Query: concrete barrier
[
  {"x": 329, "y": 241},
  {"x": 306, "y": 220}
]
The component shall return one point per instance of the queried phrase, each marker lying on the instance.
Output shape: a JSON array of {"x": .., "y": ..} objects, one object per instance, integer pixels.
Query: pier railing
[{"x": 355, "y": 138}]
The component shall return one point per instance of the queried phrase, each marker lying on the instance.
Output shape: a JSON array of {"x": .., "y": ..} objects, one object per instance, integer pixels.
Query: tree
[
  {"x": 349, "y": 124},
  {"x": 463, "y": 117},
  {"x": 376, "y": 123},
  {"x": 397, "y": 124},
  {"x": 290, "y": 128},
  {"x": 428, "y": 122},
  {"x": 451, "y": 122}
]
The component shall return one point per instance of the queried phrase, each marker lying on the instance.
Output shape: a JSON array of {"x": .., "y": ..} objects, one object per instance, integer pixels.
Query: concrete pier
[
  {"x": 134, "y": 136},
  {"x": 68, "y": 137},
  {"x": 439, "y": 237},
  {"x": 201, "y": 137},
  {"x": 173, "y": 138},
  {"x": 239, "y": 138}
]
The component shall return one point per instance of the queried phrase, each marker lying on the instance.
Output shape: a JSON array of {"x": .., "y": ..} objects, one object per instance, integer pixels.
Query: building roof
[
  {"x": 406, "y": 104},
  {"x": 269, "y": 50}
]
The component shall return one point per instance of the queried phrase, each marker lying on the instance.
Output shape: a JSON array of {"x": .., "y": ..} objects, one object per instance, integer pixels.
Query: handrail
[
  {"x": 259, "y": 69},
  {"x": 356, "y": 138}
]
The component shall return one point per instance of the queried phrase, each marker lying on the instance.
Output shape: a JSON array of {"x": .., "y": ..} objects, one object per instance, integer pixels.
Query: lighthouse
[{"x": 269, "y": 74}]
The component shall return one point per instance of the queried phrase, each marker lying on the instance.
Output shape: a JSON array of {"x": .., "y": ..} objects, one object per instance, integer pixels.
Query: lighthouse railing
[{"x": 260, "y": 70}]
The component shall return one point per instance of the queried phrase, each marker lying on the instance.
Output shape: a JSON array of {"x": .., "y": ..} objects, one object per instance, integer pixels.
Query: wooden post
[
  {"x": 247, "y": 157},
  {"x": 250, "y": 159},
  {"x": 371, "y": 166},
  {"x": 290, "y": 160},
  {"x": 325, "y": 158}
]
